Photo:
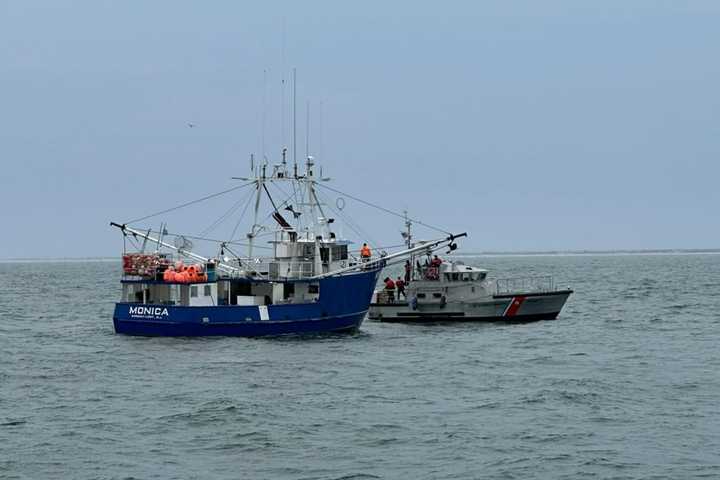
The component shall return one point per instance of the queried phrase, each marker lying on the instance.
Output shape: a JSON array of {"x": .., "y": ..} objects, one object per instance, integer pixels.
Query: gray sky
[{"x": 531, "y": 125}]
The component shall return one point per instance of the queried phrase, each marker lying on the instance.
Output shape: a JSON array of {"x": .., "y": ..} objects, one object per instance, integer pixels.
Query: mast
[
  {"x": 408, "y": 231},
  {"x": 408, "y": 239},
  {"x": 259, "y": 181}
]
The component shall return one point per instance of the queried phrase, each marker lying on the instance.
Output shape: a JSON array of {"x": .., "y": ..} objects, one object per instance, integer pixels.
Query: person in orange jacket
[
  {"x": 365, "y": 252},
  {"x": 390, "y": 288},
  {"x": 400, "y": 284}
]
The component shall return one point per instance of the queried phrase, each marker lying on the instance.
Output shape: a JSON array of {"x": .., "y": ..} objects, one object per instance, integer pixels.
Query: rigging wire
[
  {"x": 359, "y": 231},
  {"x": 192, "y": 202},
  {"x": 287, "y": 195},
  {"x": 204, "y": 239},
  {"x": 384, "y": 209},
  {"x": 226, "y": 215},
  {"x": 242, "y": 215}
]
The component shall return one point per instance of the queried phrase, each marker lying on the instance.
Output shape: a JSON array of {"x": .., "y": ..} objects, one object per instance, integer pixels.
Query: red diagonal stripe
[{"x": 514, "y": 306}]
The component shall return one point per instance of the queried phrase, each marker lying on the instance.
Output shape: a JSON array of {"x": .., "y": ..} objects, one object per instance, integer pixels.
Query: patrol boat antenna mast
[{"x": 408, "y": 232}]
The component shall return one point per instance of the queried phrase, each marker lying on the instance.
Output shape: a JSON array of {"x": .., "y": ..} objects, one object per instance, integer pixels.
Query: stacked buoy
[{"x": 182, "y": 273}]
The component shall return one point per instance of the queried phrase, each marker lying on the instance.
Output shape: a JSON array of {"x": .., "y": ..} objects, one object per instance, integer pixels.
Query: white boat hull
[{"x": 518, "y": 307}]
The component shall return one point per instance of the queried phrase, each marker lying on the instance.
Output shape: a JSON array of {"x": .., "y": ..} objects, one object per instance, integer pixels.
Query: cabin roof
[
  {"x": 311, "y": 241},
  {"x": 456, "y": 267}
]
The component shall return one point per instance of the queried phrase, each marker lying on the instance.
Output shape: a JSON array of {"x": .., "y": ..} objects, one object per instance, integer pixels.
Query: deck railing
[
  {"x": 278, "y": 270},
  {"x": 537, "y": 284}
]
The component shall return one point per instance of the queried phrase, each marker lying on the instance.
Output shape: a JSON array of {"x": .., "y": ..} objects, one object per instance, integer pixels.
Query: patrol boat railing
[{"x": 537, "y": 284}]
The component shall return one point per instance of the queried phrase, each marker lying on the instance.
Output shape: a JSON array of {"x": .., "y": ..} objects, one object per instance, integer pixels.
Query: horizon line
[{"x": 622, "y": 251}]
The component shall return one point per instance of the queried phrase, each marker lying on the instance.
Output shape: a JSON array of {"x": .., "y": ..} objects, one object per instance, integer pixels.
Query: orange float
[
  {"x": 169, "y": 274},
  {"x": 191, "y": 273}
]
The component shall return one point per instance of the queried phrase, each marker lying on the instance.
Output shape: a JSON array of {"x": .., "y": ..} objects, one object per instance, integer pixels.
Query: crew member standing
[
  {"x": 365, "y": 253},
  {"x": 390, "y": 289},
  {"x": 400, "y": 284},
  {"x": 408, "y": 271}
]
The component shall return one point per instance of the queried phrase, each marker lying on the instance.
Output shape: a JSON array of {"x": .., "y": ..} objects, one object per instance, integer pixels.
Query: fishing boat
[
  {"x": 312, "y": 282},
  {"x": 446, "y": 290}
]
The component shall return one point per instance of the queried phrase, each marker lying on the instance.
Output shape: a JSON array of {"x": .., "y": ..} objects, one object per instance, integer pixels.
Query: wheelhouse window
[
  {"x": 207, "y": 290},
  {"x": 193, "y": 291},
  {"x": 340, "y": 252}
]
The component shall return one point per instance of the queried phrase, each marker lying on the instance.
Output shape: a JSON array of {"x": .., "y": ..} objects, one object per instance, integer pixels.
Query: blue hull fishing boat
[
  {"x": 339, "y": 305},
  {"x": 312, "y": 282}
]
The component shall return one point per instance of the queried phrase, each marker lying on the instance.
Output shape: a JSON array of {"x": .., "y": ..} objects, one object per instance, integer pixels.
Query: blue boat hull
[
  {"x": 342, "y": 306},
  {"x": 346, "y": 323}
]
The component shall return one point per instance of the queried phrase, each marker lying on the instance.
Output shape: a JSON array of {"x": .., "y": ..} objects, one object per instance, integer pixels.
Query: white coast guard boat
[{"x": 453, "y": 291}]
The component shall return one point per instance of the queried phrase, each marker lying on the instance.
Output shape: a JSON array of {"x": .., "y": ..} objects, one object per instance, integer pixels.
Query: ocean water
[{"x": 625, "y": 384}]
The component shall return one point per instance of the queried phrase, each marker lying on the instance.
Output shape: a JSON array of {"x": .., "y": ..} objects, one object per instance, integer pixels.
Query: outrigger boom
[
  {"x": 146, "y": 236},
  {"x": 419, "y": 248},
  {"x": 429, "y": 245}
]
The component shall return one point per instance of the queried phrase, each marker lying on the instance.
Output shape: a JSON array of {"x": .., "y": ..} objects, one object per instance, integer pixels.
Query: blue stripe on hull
[
  {"x": 240, "y": 328},
  {"x": 343, "y": 303}
]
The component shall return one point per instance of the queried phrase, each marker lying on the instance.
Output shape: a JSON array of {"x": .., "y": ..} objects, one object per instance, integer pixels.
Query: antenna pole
[
  {"x": 307, "y": 129},
  {"x": 408, "y": 226},
  {"x": 264, "y": 115},
  {"x": 320, "y": 133},
  {"x": 283, "y": 127},
  {"x": 294, "y": 113}
]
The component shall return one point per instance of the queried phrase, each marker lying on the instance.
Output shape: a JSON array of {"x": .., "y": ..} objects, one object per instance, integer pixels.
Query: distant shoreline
[{"x": 546, "y": 253}]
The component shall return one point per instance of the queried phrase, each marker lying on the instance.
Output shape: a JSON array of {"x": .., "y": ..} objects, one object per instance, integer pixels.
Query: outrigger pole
[
  {"x": 379, "y": 262},
  {"x": 146, "y": 236}
]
